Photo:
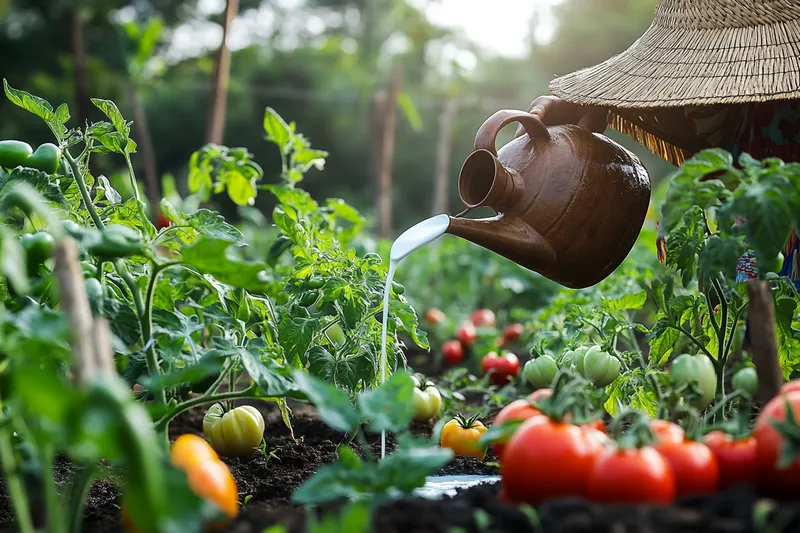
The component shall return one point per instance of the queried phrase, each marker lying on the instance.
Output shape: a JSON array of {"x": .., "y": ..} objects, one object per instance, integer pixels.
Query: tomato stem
[
  {"x": 77, "y": 500},
  {"x": 162, "y": 424}
]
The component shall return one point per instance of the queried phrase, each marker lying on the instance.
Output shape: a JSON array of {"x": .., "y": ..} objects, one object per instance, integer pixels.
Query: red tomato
[
  {"x": 666, "y": 431},
  {"x": 546, "y": 459},
  {"x": 434, "y": 316},
  {"x": 694, "y": 466},
  {"x": 537, "y": 395},
  {"x": 466, "y": 333},
  {"x": 512, "y": 333},
  {"x": 598, "y": 425},
  {"x": 453, "y": 352},
  {"x": 736, "y": 458},
  {"x": 162, "y": 221},
  {"x": 774, "y": 481},
  {"x": 503, "y": 368},
  {"x": 792, "y": 386},
  {"x": 516, "y": 410},
  {"x": 631, "y": 476},
  {"x": 483, "y": 317}
]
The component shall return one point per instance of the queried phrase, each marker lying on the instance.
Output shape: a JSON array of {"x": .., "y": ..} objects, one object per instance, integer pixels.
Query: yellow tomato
[
  {"x": 462, "y": 436},
  {"x": 189, "y": 450},
  {"x": 214, "y": 483}
]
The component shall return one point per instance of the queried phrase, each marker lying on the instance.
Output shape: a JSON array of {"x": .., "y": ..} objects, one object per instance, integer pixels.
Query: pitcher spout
[
  {"x": 508, "y": 236},
  {"x": 485, "y": 182}
]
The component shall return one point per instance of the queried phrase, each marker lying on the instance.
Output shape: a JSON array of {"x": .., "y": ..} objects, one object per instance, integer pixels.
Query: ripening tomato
[
  {"x": 483, "y": 318},
  {"x": 694, "y": 466},
  {"x": 539, "y": 394},
  {"x": 790, "y": 387},
  {"x": 773, "y": 480},
  {"x": 425, "y": 400},
  {"x": 214, "y": 483},
  {"x": 462, "y": 436},
  {"x": 666, "y": 431},
  {"x": 467, "y": 334},
  {"x": 516, "y": 410},
  {"x": 235, "y": 433},
  {"x": 503, "y": 368},
  {"x": 434, "y": 316},
  {"x": 736, "y": 458},
  {"x": 512, "y": 333},
  {"x": 547, "y": 459},
  {"x": 208, "y": 477},
  {"x": 639, "y": 475},
  {"x": 162, "y": 221},
  {"x": 453, "y": 352}
]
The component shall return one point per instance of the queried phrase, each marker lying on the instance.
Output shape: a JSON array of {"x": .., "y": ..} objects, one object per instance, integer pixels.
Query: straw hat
[
  {"x": 695, "y": 53},
  {"x": 699, "y": 52}
]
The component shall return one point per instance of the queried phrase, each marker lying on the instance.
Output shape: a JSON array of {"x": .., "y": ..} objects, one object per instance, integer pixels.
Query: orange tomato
[{"x": 189, "y": 450}]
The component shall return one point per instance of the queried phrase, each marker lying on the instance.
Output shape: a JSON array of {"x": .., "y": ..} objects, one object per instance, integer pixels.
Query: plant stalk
[
  {"x": 77, "y": 499},
  {"x": 15, "y": 488},
  {"x": 162, "y": 424}
]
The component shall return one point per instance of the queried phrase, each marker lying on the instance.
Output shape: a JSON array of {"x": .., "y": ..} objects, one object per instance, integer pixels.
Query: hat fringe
[{"x": 664, "y": 149}]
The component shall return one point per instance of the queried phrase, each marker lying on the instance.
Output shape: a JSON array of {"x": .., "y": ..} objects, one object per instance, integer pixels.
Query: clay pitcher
[{"x": 569, "y": 203}]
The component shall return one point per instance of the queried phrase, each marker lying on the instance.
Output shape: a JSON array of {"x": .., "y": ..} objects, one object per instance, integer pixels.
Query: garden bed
[{"x": 268, "y": 483}]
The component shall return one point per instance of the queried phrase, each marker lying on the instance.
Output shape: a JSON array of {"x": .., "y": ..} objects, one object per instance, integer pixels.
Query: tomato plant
[{"x": 501, "y": 368}]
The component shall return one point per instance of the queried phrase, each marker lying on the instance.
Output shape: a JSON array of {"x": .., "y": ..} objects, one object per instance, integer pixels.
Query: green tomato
[
  {"x": 14, "y": 153},
  {"x": 397, "y": 288},
  {"x": 541, "y": 371},
  {"x": 38, "y": 248},
  {"x": 237, "y": 433},
  {"x": 336, "y": 335},
  {"x": 697, "y": 369},
  {"x": 116, "y": 241},
  {"x": 572, "y": 358},
  {"x": 308, "y": 298},
  {"x": 94, "y": 290},
  {"x": 425, "y": 400},
  {"x": 46, "y": 158},
  {"x": 315, "y": 283},
  {"x": 746, "y": 380},
  {"x": 601, "y": 368},
  {"x": 778, "y": 263}
]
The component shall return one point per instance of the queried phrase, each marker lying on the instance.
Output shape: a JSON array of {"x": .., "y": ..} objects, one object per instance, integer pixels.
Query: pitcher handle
[{"x": 486, "y": 138}]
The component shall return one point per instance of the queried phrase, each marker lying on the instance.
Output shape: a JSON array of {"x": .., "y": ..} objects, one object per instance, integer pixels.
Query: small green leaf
[
  {"x": 277, "y": 129},
  {"x": 218, "y": 258},
  {"x": 388, "y": 407},
  {"x": 333, "y": 405},
  {"x": 39, "y": 107},
  {"x": 110, "y": 110},
  {"x": 628, "y": 301},
  {"x": 241, "y": 189}
]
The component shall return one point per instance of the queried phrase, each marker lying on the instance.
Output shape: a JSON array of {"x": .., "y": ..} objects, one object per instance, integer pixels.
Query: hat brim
[{"x": 668, "y": 68}]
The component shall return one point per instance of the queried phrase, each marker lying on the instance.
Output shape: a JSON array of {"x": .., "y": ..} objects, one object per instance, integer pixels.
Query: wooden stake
[
  {"x": 443, "y": 152},
  {"x": 216, "y": 126},
  {"x": 387, "y": 157},
  {"x": 763, "y": 341},
  {"x": 75, "y": 305}
]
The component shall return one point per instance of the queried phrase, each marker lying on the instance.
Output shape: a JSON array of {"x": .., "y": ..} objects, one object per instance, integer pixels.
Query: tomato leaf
[
  {"x": 39, "y": 107},
  {"x": 388, "y": 407},
  {"x": 217, "y": 257},
  {"x": 333, "y": 405}
]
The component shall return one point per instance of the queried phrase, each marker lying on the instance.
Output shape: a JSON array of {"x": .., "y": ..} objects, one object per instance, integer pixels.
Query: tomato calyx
[
  {"x": 638, "y": 435},
  {"x": 466, "y": 423},
  {"x": 738, "y": 427},
  {"x": 790, "y": 434}
]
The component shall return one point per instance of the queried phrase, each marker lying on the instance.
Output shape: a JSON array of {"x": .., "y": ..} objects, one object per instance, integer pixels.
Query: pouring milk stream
[{"x": 412, "y": 239}]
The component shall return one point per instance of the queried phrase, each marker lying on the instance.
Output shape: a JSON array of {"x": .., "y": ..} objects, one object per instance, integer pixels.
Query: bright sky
[{"x": 498, "y": 26}]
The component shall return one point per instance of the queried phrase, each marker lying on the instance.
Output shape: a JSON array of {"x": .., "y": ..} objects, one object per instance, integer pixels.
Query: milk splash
[{"x": 412, "y": 239}]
